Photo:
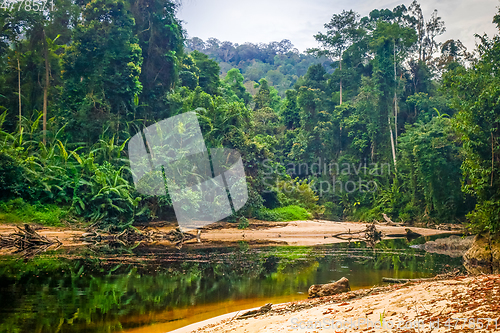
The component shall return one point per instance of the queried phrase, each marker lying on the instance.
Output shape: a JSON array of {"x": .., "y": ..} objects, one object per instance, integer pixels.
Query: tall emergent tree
[
  {"x": 390, "y": 41},
  {"x": 342, "y": 30},
  {"x": 101, "y": 71},
  {"x": 160, "y": 37}
]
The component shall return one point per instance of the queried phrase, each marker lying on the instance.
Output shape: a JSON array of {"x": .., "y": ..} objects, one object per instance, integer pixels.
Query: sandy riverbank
[
  {"x": 302, "y": 233},
  {"x": 423, "y": 303},
  {"x": 296, "y": 233}
]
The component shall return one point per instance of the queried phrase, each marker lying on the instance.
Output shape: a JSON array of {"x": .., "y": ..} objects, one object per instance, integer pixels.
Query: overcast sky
[{"x": 255, "y": 21}]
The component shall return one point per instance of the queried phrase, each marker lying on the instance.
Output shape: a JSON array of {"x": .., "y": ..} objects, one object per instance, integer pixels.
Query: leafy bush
[
  {"x": 486, "y": 217},
  {"x": 288, "y": 213},
  {"x": 17, "y": 211},
  {"x": 11, "y": 179},
  {"x": 103, "y": 195},
  {"x": 243, "y": 224},
  {"x": 299, "y": 193}
]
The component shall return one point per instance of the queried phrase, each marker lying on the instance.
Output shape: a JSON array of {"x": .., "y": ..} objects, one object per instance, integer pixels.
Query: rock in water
[{"x": 320, "y": 290}]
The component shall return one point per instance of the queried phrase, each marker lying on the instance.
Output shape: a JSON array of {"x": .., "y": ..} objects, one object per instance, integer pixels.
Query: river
[{"x": 156, "y": 289}]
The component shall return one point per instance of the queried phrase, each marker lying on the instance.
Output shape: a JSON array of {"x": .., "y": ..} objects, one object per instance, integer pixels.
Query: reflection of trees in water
[
  {"x": 389, "y": 257},
  {"x": 83, "y": 296},
  {"x": 50, "y": 294}
]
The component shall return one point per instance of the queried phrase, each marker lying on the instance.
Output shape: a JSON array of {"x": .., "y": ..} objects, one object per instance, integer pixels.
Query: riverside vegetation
[{"x": 77, "y": 82}]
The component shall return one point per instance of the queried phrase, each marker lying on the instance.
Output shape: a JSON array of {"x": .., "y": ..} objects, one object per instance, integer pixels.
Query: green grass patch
[
  {"x": 288, "y": 213},
  {"x": 19, "y": 211}
]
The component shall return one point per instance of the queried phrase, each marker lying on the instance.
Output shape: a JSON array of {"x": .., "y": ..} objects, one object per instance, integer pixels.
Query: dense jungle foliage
[
  {"x": 280, "y": 63},
  {"x": 380, "y": 118}
]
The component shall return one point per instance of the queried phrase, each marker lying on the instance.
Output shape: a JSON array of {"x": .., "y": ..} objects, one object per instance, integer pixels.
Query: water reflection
[{"x": 148, "y": 289}]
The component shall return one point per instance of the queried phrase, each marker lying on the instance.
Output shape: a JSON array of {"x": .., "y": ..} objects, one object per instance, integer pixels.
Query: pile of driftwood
[
  {"x": 133, "y": 236},
  {"x": 370, "y": 235},
  {"x": 27, "y": 241}
]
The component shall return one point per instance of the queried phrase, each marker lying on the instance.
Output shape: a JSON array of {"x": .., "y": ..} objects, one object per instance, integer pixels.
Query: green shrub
[
  {"x": 243, "y": 224},
  {"x": 299, "y": 193},
  {"x": 288, "y": 213},
  {"x": 11, "y": 179},
  {"x": 19, "y": 211},
  {"x": 107, "y": 198},
  {"x": 267, "y": 214},
  {"x": 485, "y": 217}
]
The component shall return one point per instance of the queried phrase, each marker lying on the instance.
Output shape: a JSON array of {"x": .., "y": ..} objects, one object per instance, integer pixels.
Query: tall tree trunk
[
  {"x": 395, "y": 99},
  {"x": 341, "y": 80},
  {"x": 46, "y": 88},
  {"x": 396, "y": 117},
  {"x": 372, "y": 151},
  {"x": 492, "y": 158},
  {"x": 392, "y": 140},
  {"x": 19, "y": 89},
  {"x": 395, "y": 110}
]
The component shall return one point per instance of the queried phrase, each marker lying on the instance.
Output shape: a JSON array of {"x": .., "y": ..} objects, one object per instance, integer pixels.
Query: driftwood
[
  {"x": 27, "y": 241},
  {"x": 6, "y": 241},
  {"x": 264, "y": 309},
  {"x": 133, "y": 235},
  {"x": 370, "y": 235},
  {"x": 389, "y": 221}
]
